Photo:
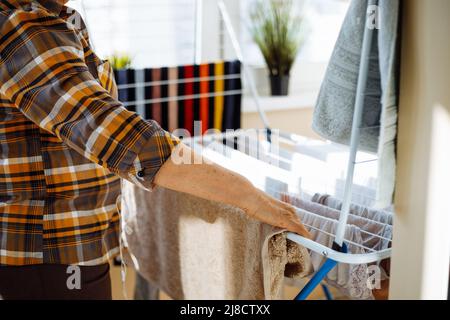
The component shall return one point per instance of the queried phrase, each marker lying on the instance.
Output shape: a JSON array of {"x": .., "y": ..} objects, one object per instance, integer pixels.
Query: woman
[{"x": 66, "y": 142}]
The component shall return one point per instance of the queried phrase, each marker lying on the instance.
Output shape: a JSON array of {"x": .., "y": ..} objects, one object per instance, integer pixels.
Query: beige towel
[{"x": 196, "y": 249}]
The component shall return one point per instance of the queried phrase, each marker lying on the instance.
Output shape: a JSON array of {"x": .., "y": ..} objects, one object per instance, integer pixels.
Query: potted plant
[
  {"x": 120, "y": 61},
  {"x": 276, "y": 30}
]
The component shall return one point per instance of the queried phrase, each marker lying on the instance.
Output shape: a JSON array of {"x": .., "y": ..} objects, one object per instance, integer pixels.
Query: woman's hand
[
  {"x": 210, "y": 181},
  {"x": 276, "y": 213}
]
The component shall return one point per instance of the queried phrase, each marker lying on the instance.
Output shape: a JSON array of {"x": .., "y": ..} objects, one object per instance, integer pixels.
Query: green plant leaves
[
  {"x": 276, "y": 30},
  {"x": 120, "y": 61}
]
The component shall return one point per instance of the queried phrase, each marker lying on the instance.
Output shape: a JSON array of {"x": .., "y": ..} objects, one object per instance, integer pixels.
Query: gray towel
[
  {"x": 368, "y": 226},
  {"x": 379, "y": 215},
  {"x": 333, "y": 114},
  {"x": 350, "y": 279}
]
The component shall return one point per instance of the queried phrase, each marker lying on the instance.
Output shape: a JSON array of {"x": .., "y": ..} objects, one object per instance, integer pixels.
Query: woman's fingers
[
  {"x": 296, "y": 226},
  {"x": 289, "y": 219},
  {"x": 278, "y": 213},
  {"x": 293, "y": 222}
]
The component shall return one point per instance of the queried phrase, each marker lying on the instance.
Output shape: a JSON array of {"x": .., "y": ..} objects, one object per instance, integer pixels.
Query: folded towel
[
  {"x": 333, "y": 115},
  {"x": 197, "y": 249}
]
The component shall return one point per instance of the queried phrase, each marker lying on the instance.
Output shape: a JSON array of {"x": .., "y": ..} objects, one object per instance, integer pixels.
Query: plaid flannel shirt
[{"x": 65, "y": 141}]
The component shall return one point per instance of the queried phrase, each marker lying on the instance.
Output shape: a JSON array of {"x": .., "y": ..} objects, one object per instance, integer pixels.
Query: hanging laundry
[
  {"x": 121, "y": 77},
  {"x": 128, "y": 94},
  {"x": 374, "y": 234},
  {"x": 187, "y": 98},
  {"x": 204, "y": 98},
  {"x": 211, "y": 99},
  {"x": 379, "y": 215},
  {"x": 175, "y": 97},
  {"x": 198, "y": 249},
  {"x": 351, "y": 280},
  {"x": 232, "y": 100},
  {"x": 219, "y": 86},
  {"x": 144, "y": 290},
  {"x": 196, "y": 99},
  {"x": 164, "y": 91},
  {"x": 139, "y": 77},
  {"x": 173, "y": 92},
  {"x": 156, "y": 96},
  {"x": 333, "y": 114},
  {"x": 148, "y": 93},
  {"x": 182, "y": 102}
]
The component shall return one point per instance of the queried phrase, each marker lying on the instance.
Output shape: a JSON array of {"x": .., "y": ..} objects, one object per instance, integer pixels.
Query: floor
[{"x": 289, "y": 292}]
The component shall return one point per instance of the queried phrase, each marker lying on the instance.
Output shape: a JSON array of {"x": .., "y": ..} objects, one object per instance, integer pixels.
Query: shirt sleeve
[{"x": 44, "y": 74}]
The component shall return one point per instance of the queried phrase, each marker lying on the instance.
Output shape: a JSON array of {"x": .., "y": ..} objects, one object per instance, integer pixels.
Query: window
[
  {"x": 163, "y": 32},
  {"x": 153, "y": 33}
]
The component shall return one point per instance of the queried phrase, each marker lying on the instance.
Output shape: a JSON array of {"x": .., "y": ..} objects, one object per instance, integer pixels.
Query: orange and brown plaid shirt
[{"x": 65, "y": 141}]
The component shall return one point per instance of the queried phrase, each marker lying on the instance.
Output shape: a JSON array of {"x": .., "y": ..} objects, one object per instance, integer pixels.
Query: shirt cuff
[{"x": 153, "y": 155}]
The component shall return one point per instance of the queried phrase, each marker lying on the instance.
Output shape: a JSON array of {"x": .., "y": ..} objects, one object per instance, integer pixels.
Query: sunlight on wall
[{"x": 438, "y": 219}]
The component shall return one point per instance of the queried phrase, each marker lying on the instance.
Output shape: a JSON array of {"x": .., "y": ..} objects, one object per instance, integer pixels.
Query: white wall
[{"x": 421, "y": 246}]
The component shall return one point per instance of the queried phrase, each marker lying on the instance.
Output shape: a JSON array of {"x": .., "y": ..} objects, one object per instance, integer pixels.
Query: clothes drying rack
[{"x": 338, "y": 253}]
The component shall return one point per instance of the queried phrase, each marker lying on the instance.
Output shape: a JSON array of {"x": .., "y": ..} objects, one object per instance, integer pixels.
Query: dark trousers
[{"x": 55, "y": 282}]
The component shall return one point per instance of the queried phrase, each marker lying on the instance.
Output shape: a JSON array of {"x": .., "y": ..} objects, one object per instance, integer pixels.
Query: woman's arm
[
  {"x": 210, "y": 181},
  {"x": 43, "y": 73}
]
